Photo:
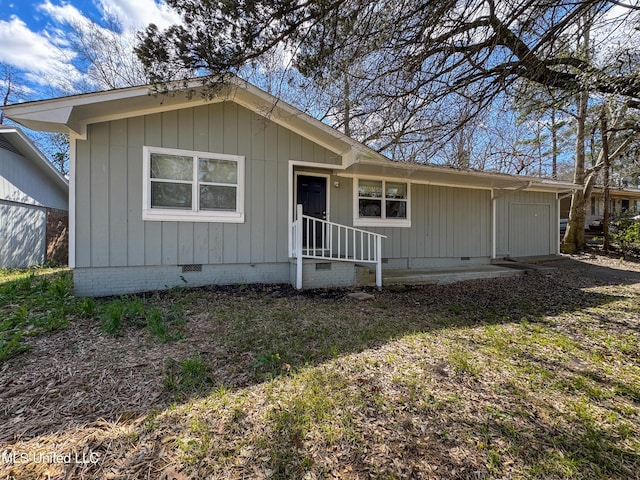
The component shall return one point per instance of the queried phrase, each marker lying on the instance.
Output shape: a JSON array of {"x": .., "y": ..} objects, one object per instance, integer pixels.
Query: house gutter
[{"x": 494, "y": 214}]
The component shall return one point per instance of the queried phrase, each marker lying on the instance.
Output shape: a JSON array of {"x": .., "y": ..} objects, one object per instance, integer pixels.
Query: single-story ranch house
[
  {"x": 173, "y": 188},
  {"x": 34, "y": 204},
  {"x": 621, "y": 200}
]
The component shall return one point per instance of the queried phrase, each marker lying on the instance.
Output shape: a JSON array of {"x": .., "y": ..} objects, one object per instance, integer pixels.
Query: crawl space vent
[{"x": 192, "y": 268}]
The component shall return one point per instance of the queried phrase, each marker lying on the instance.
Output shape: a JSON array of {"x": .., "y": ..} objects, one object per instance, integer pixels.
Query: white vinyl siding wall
[{"x": 22, "y": 182}]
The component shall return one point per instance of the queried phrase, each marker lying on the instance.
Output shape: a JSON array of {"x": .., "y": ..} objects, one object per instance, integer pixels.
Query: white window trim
[
  {"x": 194, "y": 215},
  {"x": 380, "y": 222}
]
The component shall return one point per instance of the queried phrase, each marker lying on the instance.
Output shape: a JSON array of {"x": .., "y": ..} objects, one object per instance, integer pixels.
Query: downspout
[
  {"x": 73, "y": 139},
  {"x": 493, "y": 225}
]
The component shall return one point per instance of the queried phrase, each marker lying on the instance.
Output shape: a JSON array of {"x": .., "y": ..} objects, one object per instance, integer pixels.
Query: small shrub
[
  {"x": 190, "y": 375},
  {"x": 118, "y": 311},
  {"x": 10, "y": 345},
  {"x": 112, "y": 319},
  {"x": 61, "y": 286},
  {"x": 267, "y": 362},
  {"x": 156, "y": 324},
  {"x": 626, "y": 232},
  {"x": 87, "y": 307}
]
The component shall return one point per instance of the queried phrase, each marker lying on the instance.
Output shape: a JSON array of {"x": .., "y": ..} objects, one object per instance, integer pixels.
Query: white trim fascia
[
  {"x": 59, "y": 111},
  {"x": 72, "y": 200},
  {"x": 81, "y": 128},
  {"x": 407, "y": 179},
  {"x": 536, "y": 184},
  {"x": 295, "y": 112},
  {"x": 326, "y": 166}
]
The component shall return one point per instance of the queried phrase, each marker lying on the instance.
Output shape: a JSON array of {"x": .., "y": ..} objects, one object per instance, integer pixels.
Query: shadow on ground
[{"x": 249, "y": 335}]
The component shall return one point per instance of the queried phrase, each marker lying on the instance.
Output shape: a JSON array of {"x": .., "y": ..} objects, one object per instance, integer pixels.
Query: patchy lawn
[{"x": 536, "y": 376}]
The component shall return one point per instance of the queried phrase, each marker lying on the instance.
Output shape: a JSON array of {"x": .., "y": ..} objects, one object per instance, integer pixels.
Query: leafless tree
[{"x": 106, "y": 55}]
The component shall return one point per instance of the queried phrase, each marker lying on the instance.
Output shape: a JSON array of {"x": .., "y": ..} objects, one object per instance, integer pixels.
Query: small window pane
[
  {"x": 171, "y": 195},
  {"x": 370, "y": 188},
  {"x": 396, "y": 209},
  {"x": 396, "y": 190},
  {"x": 214, "y": 197},
  {"x": 370, "y": 208},
  {"x": 171, "y": 167},
  {"x": 218, "y": 171}
]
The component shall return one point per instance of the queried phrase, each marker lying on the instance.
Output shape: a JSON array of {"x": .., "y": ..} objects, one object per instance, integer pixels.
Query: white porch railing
[{"x": 320, "y": 239}]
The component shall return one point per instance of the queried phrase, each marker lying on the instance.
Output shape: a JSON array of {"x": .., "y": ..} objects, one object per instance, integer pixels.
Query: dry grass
[{"x": 530, "y": 377}]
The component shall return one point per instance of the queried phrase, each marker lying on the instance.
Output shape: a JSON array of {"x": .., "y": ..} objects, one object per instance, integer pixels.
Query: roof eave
[
  {"x": 450, "y": 177},
  {"x": 72, "y": 114},
  {"x": 28, "y": 150}
]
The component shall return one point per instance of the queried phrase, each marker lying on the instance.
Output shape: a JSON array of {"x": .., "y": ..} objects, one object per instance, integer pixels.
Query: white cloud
[
  {"x": 43, "y": 57},
  {"x": 137, "y": 14},
  {"x": 65, "y": 13}
]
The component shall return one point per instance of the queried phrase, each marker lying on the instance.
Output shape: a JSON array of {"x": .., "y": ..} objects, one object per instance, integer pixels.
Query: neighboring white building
[
  {"x": 32, "y": 192},
  {"x": 620, "y": 200}
]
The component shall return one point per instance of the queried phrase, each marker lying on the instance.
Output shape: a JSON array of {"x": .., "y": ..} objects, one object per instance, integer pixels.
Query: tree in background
[
  {"x": 435, "y": 67},
  {"x": 105, "y": 55},
  {"x": 11, "y": 86},
  {"x": 407, "y": 51}
]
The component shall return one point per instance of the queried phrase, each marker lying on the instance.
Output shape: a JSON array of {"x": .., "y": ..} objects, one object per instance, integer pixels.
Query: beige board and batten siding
[
  {"x": 449, "y": 226},
  {"x": 110, "y": 231},
  {"x": 527, "y": 224}
]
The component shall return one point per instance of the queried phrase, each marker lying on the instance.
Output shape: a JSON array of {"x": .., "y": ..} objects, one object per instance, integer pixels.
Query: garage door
[{"x": 529, "y": 230}]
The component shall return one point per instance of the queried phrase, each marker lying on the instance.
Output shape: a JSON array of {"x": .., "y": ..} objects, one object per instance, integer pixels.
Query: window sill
[
  {"x": 189, "y": 216},
  {"x": 378, "y": 222}
]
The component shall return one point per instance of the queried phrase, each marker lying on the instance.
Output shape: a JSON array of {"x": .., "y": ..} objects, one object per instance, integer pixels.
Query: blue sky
[{"x": 34, "y": 35}]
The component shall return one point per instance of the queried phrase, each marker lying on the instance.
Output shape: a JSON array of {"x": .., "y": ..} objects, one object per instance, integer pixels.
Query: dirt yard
[{"x": 504, "y": 378}]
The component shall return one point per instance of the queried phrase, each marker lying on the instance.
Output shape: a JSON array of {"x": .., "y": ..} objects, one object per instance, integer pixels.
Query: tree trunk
[
  {"x": 607, "y": 168},
  {"x": 554, "y": 145},
  {"x": 574, "y": 236}
]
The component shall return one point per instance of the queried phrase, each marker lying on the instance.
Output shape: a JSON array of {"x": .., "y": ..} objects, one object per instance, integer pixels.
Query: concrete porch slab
[
  {"x": 445, "y": 276},
  {"x": 544, "y": 262},
  {"x": 440, "y": 276}
]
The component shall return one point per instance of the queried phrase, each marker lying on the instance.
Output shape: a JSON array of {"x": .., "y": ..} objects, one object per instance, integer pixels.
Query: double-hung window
[
  {"x": 182, "y": 185},
  {"x": 381, "y": 203}
]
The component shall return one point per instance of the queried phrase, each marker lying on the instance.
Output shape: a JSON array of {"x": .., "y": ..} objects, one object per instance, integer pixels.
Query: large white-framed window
[
  {"x": 381, "y": 203},
  {"x": 190, "y": 186}
]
